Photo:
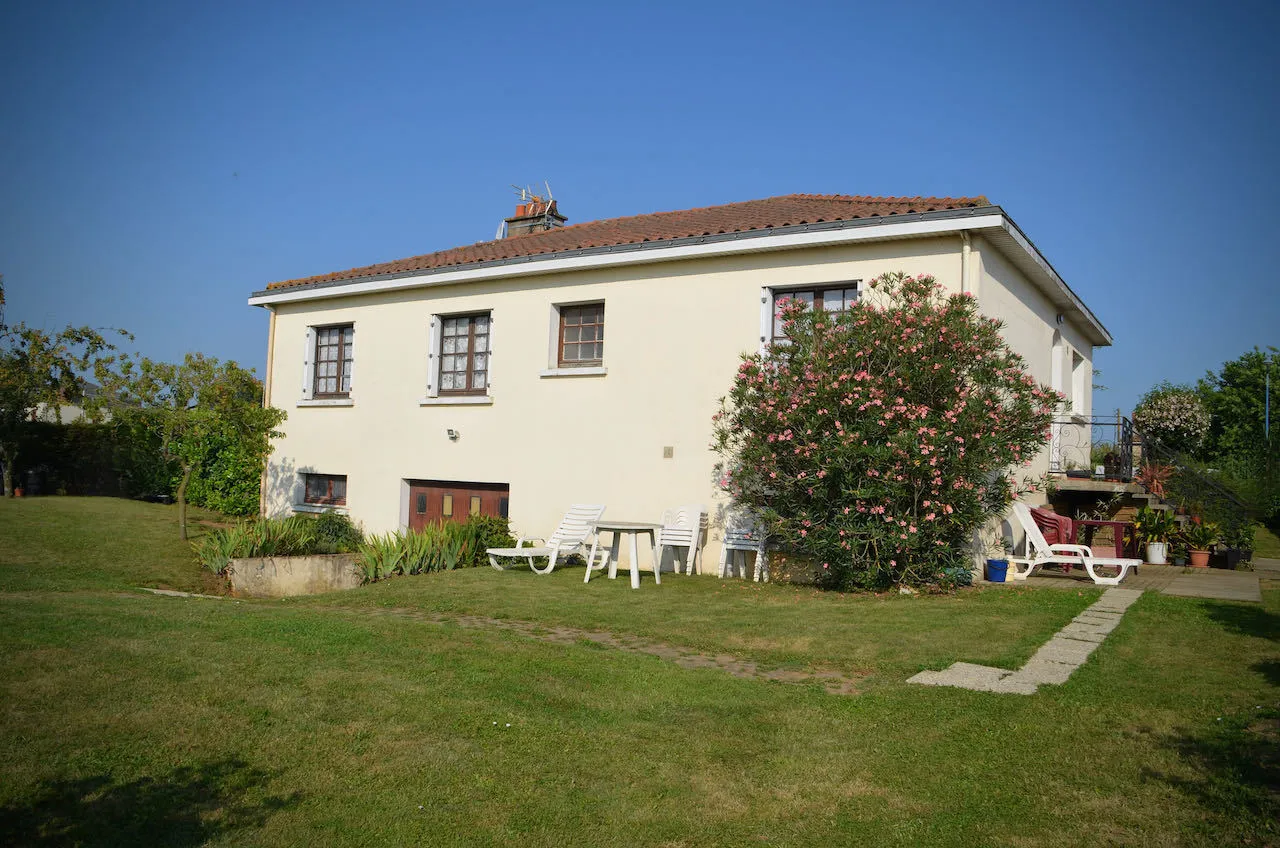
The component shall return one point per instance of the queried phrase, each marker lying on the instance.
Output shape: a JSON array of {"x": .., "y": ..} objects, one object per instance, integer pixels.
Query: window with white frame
[
  {"x": 1079, "y": 376},
  {"x": 330, "y": 362},
  {"x": 833, "y": 297},
  {"x": 581, "y": 336},
  {"x": 460, "y": 358},
  {"x": 464, "y": 354}
]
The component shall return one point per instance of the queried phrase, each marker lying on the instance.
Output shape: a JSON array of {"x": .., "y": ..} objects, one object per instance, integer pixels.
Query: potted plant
[
  {"x": 1178, "y": 548},
  {"x": 1075, "y": 472},
  {"x": 1200, "y": 537},
  {"x": 1154, "y": 527},
  {"x": 1237, "y": 543},
  {"x": 1152, "y": 477}
]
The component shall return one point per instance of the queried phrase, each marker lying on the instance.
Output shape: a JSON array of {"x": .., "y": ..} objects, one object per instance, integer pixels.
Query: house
[{"x": 583, "y": 363}]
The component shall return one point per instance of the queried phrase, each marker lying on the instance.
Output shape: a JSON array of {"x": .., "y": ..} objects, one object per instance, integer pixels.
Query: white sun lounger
[
  {"x": 1041, "y": 553},
  {"x": 577, "y": 529}
]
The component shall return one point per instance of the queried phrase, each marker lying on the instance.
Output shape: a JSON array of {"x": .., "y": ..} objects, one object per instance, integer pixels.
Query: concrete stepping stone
[{"x": 1056, "y": 660}]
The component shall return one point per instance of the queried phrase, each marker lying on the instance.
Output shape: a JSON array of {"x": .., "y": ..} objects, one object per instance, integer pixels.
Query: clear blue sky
[{"x": 159, "y": 161}]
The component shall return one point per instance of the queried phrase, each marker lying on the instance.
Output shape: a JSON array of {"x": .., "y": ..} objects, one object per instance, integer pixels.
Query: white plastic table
[{"x": 626, "y": 528}]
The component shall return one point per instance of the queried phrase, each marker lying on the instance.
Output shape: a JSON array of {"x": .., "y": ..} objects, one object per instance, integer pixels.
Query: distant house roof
[{"x": 774, "y": 212}]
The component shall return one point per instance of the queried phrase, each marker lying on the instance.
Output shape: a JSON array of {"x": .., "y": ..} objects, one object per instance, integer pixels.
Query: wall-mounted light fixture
[
  {"x": 1060, "y": 318},
  {"x": 453, "y": 434}
]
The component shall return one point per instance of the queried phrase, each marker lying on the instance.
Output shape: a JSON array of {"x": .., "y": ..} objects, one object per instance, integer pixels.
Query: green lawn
[
  {"x": 349, "y": 719},
  {"x": 1266, "y": 543}
]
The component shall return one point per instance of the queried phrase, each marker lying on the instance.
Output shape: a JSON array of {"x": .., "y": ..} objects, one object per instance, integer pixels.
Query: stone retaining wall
[{"x": 281, "y": 577}]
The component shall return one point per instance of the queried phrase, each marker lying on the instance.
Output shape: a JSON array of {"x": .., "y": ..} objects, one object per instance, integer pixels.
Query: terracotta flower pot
[{"x": 1199, "y": 559}]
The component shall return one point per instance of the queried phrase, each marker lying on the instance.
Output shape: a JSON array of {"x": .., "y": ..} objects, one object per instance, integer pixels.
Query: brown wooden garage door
[{"x": 432, "y": 501}]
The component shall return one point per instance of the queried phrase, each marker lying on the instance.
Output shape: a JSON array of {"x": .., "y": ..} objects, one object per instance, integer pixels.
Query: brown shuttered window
[
  {"x": 464, "y": 354},
  {"x": 333, "y": 361}
]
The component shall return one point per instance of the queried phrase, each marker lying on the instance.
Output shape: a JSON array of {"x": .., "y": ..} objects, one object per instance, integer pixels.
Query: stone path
[
  {"x": 174, "y": 593},
  {"x": 834, "y": 682},
  {"x": 1053, "y": 663}
]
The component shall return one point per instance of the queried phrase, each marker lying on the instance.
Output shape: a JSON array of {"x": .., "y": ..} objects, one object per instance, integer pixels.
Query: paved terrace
[{"x": 1212, "y": 583}]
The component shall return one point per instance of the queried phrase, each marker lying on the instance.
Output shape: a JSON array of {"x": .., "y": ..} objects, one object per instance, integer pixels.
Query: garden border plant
[{"x": 876, "y": 441}]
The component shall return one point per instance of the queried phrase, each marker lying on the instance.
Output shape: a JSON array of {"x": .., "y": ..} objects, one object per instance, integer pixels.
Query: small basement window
[{"x": 325, "y": 489}]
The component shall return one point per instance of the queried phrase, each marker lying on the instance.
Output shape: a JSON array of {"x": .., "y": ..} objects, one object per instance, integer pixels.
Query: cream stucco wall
[
  {"x": 1031, "y": 329},
  {"x": 674, "y": 332},
  {"x": 673, "y": 336}
]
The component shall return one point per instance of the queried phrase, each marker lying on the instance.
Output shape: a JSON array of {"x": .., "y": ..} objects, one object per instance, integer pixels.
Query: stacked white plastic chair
[
  {"x": 683, "y": 527},
  {"x": 743, "y": 534}
]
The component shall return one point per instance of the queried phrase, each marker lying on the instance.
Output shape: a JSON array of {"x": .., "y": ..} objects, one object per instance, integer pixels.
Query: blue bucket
[{"x": 997, "y": 569}]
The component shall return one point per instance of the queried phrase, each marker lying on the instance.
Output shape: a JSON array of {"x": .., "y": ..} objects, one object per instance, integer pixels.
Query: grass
[
  {"x": 133, "y": 719},
  {"x": 1266, "y": 543}
]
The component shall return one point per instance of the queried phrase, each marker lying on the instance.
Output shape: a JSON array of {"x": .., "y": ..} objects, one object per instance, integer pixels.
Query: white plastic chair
[
  {"x": 576, "y": 530},
  {"x": 743, "y": 535},
  {"x": 682, "y": 527},
  {"x": 1040, "y": 552}
]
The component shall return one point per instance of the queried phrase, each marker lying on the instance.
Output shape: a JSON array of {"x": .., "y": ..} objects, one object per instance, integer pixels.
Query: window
[
  {"x": 464, "y": 354},
  {"x": 325, "y": 489},
  {"x": 1078, "y": 385},
  {"x": 333, "y": 361},
  {"x": 581, "y": 336},
  {"x": 834, "y": 298}
]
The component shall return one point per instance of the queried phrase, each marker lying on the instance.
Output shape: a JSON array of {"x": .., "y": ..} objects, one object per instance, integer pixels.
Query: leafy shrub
[
  {"x": 437, "y": 547},
  {"x": 876, "y": 440},
  {"x": 337, "y": 534},
  {"x": 297, "y": 535},
  {"x": 1154, "y": 525},
  {"x": 1173, "y": 415}
]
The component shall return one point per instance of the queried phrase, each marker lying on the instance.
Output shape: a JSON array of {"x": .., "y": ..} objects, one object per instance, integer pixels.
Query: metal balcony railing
[{"x": 1079, "y": 442}]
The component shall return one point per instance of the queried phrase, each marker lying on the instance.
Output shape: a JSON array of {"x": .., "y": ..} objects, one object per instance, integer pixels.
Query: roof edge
[{"x": 656, "y": 244}]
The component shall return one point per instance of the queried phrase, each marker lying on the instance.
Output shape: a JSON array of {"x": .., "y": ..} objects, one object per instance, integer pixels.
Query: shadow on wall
[
  {"x": 284, "y": 485},
  {"x": 190, "y": 805}
]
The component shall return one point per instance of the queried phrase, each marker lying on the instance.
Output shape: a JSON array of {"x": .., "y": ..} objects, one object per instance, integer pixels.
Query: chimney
[{"x": 534, "y": 216}]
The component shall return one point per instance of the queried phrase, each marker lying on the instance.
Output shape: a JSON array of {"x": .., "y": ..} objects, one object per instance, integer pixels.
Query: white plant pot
[{"x": 1156, "y": 552}]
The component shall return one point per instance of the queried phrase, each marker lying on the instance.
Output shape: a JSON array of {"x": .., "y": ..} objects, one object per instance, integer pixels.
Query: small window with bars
[
  {"x": 464, "y": 354},
  {"x": 581, "y": 335},
  {"x": 835, "y": 298},
  {"x": 333, "y": 361}
]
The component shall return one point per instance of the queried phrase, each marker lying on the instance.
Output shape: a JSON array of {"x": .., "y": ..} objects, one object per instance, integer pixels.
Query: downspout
[
  {"x": 266, "y": 402},
  {"x": 966, "y": 262}
]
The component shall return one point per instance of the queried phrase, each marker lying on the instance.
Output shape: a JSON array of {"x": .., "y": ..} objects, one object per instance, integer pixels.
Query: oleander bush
[
  {"x": 1174, "y": 416},
  {"x": 875, "y": 441}
]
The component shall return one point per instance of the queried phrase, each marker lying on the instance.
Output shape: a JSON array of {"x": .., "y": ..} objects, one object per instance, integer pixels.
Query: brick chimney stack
[{"x": 534, "y": 216}]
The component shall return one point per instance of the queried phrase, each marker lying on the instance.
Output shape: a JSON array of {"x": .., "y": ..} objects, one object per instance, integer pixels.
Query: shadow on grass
[
  {"x": 188, "y": 806},
  {"x": 1234, "y": 774},
  {"x": 1245, "y": 620}
]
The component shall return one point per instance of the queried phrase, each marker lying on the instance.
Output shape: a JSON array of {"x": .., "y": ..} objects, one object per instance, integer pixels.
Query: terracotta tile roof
[{"x": 788, "y": 210}]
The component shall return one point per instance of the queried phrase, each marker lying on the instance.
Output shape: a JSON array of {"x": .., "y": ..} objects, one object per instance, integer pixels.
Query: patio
[{"x": 1213, "y": 583}]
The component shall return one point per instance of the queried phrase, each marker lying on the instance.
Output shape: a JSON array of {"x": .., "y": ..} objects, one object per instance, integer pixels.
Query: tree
[
  {"x": 39, "y": 369},
  {"x": 192, "y": 406},
  {"x": 1237, "y": 443},
  {"x": 877, "y": 440}
]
